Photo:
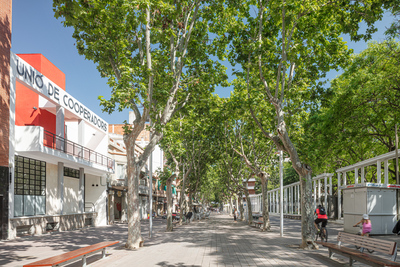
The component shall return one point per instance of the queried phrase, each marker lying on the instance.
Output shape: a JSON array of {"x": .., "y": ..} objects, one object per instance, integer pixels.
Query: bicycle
[
  {"x": 322, "y": 234},
  {"x": 360, "y": 233}
]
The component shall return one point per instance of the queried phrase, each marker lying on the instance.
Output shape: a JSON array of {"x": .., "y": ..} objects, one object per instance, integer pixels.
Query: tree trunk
[
  {"x": 231, "y": 205},
  {"x": 241, "y": 209},
  {"x": 169, "y": 206},
  {"x": 190, "y": 202},
  {"x": 181, "y": 206},
  {"x": 182, "y": 199},
  {"x": 134, "y": 232},
  {"x": 183, "y": 202},
  {"x": 265, "y": 204},
  {"x": 307, "y": 213},
  {"x": 249, "y": 210}
]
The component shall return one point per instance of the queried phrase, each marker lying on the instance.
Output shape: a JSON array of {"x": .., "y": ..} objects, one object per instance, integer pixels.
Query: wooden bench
[
  {"x": 80, "y": 253},
  {"x": 23, "y": 230},
  {"x": 258, "y": 222},
  {"x": 378, "y": 245},
  {"x": 292, "y": 216}
]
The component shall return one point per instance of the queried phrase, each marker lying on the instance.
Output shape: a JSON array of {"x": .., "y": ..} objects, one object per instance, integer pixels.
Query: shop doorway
[{"x": 117, "y": 207}]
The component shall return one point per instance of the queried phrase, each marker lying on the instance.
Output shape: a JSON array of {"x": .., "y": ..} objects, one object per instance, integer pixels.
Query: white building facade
[{"x": 58, "y": 153}]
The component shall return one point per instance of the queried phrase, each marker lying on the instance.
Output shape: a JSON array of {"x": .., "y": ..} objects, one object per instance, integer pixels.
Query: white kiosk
[{"x": 378, "y": 200}]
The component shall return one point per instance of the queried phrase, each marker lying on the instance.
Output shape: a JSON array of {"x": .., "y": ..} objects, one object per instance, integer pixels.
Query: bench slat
[
  {"x": 384, "y": 246},
  {"x": 362, "y": 257},
  {"x": 71, "y": 255}
]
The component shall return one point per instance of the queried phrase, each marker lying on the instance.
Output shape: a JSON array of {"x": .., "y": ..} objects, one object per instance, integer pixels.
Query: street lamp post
[
  {"x": 281, "y": 189},
  {"x": 151, "y": 190}
]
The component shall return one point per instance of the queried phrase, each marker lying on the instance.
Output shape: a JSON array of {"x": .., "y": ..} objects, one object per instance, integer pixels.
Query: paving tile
[{"x": 216, "y": 242}]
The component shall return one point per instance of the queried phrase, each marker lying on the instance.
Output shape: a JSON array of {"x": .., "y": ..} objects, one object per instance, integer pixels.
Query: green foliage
[
  {"x": 112, "y": 34},
  {"x": 164, "y": 174},
  {"x": 289, "y": 175},
  {"x": 359, "y": 121}
]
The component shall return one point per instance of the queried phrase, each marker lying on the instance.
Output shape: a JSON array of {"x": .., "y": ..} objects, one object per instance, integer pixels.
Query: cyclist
[{"x": 321, "y": 216}]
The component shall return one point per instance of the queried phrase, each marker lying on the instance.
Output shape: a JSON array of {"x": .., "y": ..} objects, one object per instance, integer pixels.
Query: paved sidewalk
[{"x": 217, "y": 241}]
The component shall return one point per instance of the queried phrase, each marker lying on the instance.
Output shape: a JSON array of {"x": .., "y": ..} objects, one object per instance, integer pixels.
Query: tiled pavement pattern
[{"x": 217, "y": 241}]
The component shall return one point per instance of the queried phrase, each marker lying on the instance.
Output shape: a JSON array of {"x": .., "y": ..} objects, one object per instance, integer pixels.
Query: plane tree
[
  {"x": 189, "y": 140},
  {"x": 155, "y": 56},
  {"x": 369, "y": 89},
  {"x": 286, "y": 47}
]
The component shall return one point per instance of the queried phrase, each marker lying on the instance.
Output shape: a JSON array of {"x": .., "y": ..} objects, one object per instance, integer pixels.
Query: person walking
[{"x": 234, "y": 213}]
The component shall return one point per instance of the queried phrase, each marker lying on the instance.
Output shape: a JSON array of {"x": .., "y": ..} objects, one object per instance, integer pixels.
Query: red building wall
[
  {"x": 44, "y": 66},
  {"x": 27, "y": 100},
  {"x": 5, "y": 47}
]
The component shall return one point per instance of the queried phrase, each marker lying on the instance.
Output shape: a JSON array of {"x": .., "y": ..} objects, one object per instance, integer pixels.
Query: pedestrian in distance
[{"x": 234, "y": 213}]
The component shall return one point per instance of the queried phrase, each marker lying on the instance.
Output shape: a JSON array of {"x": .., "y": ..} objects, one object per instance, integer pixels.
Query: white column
[
  {"x": 81, "y": 138},
  {"x": 326, "y": 192},
  {"x": 269, "y": 202},
  {"x": 319, "y": 191},
  {"x": 298, "y": 199},
  {"x": 81, "y": 197},
  {"x": 284, "y": 200},
  {"x": 60, "y": 127},
  {"x": 386, "y": 172},
  {"x": 287, "y": 201},
  {"x": 356, "y": 176},
  {"x": 273, "y": 201},
  {"x": 363, "y": 175},
  {"x": 315, "y": 194},
  {"x": 339, "y": 196},
  {"x": 330, "y": 186},
  {"x": 291, "y": 200},
  {"x": 378, "y": 172},
  {"x": 345, "y": 178},
  {"x": 61, "y": 186},
  {"x": 11, "y": 143}
]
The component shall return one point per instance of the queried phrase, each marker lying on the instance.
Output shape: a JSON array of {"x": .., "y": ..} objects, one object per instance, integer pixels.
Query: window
[
  {"x": 121, "y": 171},
  {"x": 71, "y": 172},
  {"x": 29, "y": 187}
]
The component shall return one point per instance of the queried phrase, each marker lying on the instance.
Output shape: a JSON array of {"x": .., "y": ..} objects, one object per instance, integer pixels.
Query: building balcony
[
  {"x": 34, "y": 141},
  {"x": 143, "y": 190},
  {"x": 159, "y": 193}
]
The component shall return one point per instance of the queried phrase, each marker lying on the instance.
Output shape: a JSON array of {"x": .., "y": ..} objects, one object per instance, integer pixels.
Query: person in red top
[{"x": 322, "y": 217}]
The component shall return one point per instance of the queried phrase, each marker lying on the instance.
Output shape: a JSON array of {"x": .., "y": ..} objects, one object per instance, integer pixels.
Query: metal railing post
[{"x": 63, "y": 143}]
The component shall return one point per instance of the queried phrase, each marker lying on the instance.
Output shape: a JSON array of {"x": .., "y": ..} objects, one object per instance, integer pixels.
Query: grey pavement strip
[{"x": 217, "y": 241}]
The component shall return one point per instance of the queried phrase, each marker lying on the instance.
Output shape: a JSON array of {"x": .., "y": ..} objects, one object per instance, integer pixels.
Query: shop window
[
  {"x": 29, "y": 187},
  {"x": 71, "y": 172}
]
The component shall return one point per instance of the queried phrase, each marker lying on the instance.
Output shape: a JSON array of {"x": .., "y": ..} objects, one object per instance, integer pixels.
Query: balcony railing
[{"x": 61, "y": 144}]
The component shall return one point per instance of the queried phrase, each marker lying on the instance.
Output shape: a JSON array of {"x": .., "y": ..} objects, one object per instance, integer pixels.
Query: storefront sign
[{"x": 46, "y": 88}]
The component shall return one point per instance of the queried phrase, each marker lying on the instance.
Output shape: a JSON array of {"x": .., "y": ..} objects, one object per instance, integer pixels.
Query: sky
[{"x": 35, "y": 30}]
